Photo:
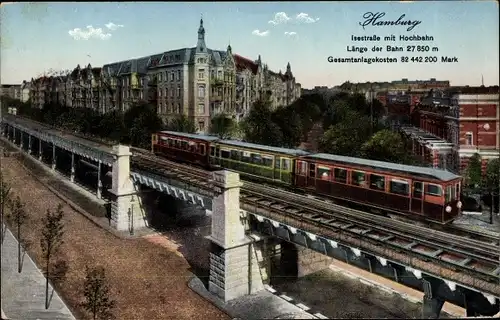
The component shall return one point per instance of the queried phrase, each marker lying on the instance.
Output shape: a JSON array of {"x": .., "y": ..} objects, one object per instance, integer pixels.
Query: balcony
[{"x": 216, "y": 82}]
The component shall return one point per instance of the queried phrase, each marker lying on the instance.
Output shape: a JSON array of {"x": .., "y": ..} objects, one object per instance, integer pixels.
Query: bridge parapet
[{"x": 70, "y": 143}]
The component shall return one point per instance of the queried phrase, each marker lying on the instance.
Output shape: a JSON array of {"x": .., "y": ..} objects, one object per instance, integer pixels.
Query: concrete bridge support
[
  {"x": 127, "y": 212},
  {"x": 309, "y": 261},
  {"x": 234, "y": 257}
]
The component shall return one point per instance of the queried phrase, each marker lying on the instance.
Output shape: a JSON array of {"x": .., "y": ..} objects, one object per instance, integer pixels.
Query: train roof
[
  {"x": 236, "y": 143},
  {"x": 192, "y": 135},
  {"x": 388, "y": 166}
]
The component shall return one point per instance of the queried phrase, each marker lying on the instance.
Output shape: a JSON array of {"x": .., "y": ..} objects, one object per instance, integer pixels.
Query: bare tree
[
  {"x": 50, "y": 242},
  {"x": 97, "y": 294},
  {"x": 4, "y": 199},
  {"x": 19, "y": 216}
]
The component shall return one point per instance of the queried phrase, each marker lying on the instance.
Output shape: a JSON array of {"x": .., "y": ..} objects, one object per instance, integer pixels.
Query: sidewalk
[{"x": 23, "y": 294}]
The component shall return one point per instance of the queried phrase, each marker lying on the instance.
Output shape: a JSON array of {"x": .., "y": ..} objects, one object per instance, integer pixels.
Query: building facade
[
  {"x": 11, "y": 90},
  {"x": 450, "y": 127},
  {"x": 197, "y": 82}
]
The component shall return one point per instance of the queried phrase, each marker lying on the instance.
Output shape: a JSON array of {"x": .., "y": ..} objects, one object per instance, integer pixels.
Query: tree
[
  {"x": 4, "y": 199},
  {"x": 97, "y": 294},
  {"x": 19, "y": 216},
  {"x": 181, "y": 123},
  {"x": 143, "y": 121},
  {"x": 346, "y": 137},
  {"x": 385, "y": 145},
  {"x": 50, "y": 242},
  {"x": 223, "y": 126},
  {"x": 290, "y": 125},
  {"x": 258, "y": 126},
  {"x": 473, "y": 172}
]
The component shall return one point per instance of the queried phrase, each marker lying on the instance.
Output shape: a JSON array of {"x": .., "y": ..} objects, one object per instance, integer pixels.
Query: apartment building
[
  {"x": 11, "y": 90},
  {"x": 198, "y": 82},
  {"x": 451, "y": 126}
]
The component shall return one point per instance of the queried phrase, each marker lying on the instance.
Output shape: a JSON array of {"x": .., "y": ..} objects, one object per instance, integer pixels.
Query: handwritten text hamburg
[{"x": 374, "y": 20}]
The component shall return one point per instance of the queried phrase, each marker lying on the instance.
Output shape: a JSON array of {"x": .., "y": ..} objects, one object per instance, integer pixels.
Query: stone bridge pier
[
  {"x": 237, "y": 265},
  {"x": 127, "y": 210}
]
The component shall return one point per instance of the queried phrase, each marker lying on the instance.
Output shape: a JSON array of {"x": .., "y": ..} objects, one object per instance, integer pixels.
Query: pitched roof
[{"x": 243, "y": 63}]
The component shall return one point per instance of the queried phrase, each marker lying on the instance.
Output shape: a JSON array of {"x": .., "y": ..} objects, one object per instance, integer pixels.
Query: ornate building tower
[{"x": 199, "y": 107}]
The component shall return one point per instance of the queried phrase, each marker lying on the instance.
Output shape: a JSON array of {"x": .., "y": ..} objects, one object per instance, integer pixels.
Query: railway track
[
  {"x": 146, "y": 159},
  {"x": 479, "y": 249}
]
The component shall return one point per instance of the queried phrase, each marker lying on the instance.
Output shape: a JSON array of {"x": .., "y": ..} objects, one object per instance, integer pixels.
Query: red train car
[
  {"x": 417, "y": 191},
  {"x": 183, "y": 147}
]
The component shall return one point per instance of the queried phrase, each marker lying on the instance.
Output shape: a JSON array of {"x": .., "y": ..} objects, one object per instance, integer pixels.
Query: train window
[
  {"x": 433, "y": 190},
  {"x": 340, "y": 175},
  {"x": 185, "y": 145},
  {"x": 377, "y": 182},
  {"x": 302, "y": 167},
  {"x": 226, "y": 154},
  {"x": 447, "y": 194},
  {"x": 285, "y": 164},
  {"x": 256, "y": 158},
  {"x": 312, "y": 170},
  {"x": 235, "y": 155},
  {"x": 277, "y": 163},
  {"x": 324, "y": 173},
  {"x": 267, "y": 161},
  {"x": 417, "y": 190},
  {"x": 245, "y": 157},
  {"x": 202, "y": 149},
  {"x": 358, "y": 178},
  {"x": 399, "y": 187},
  {"x": 212, "y": 151}
]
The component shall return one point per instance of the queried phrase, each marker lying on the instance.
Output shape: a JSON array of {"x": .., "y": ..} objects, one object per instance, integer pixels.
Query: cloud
[
  {"x": 305, "y": 18},
  {"x": 113, "y": 27},
  {"x": 279, "y": 18},
  {"x": 88, "y": 33},
  {"x": 256, "y": 32},
  {"x": 290, "y": 33}
]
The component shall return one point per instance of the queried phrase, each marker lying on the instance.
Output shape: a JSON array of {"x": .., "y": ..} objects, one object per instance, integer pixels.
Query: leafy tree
[
  {"x": 112, "y": 126},
  {"x": 181, "y": 123},
  {"x": 223, "y": 126},
  {"x": 346, "y": 137},
  {"x": 50, "y": 242},
  {"x": 258, "y": 126},
  {"x": 492, "y": 174},
  {"x": 97, "y": 294},
  {"x": 473, "y": 172},
  {"x": 143, "y": 121},
  {"x": 19, "y": 216},
  {"x": 4, "y": 199},
  {"x": 385, "y": 145},
  {"x": 291, "y": 127}
]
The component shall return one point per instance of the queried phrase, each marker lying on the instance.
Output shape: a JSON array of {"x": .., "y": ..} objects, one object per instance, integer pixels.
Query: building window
[
  {"x": 159, "y": 76},
  {"x": 166, "y": 92},
  {"x": 141, "y": 95},
  {"x": 201, "y": 91},
  {"x": 178, "y": 108},
  {"x": 201, "y": 108},
  {"x": 219, "y": 75},
  {"x": 178, "y": 75},
  {"x": 178, "y": 90},
  {"x": 469, "y": 141},
  {"x": 172, "y": 92},
  {"x": 172, "y": 76},
  {"x": 201, "y": 74},
  {"x": 201, "y": 125}
]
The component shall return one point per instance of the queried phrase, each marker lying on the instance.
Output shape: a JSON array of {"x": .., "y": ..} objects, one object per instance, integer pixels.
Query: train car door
[
  {"x": 311, "y": 177},
  {"x": 417, "y": 197}
]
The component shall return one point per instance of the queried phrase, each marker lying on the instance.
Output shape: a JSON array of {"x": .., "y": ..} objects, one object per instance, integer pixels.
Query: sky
[{"x": 37, "y": 37}]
